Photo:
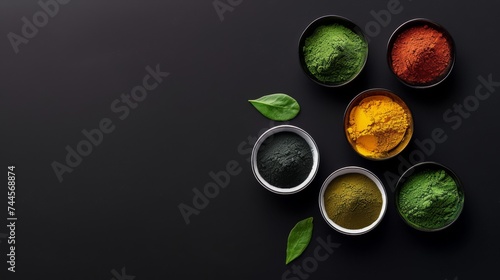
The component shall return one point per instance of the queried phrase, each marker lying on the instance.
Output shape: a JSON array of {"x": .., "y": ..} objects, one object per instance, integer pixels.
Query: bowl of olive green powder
[
  {"x": 285, "y": 159},
  {"x": 352, "y": 200},
  {"x": 429, "y": 196},
  {"x": 333, "y": 50}
]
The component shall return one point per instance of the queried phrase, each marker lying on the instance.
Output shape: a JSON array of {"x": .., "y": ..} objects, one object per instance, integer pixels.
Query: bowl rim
[
  {"x": 416, "y": 22},
  {"x": 285, "y": 128},
  {"x": 311, "y": 27},
  {"x": 396, "y": 98},
  {"x": 422, "y": 166},
  {"x": 350, "y": 170}
]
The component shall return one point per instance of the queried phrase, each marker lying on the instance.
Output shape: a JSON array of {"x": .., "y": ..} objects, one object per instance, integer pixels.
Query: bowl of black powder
[{"x": 285, "y": 159}]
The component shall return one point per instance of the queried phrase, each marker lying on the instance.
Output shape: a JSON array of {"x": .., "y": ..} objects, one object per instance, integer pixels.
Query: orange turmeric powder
[{"x": 377, "y": 125}]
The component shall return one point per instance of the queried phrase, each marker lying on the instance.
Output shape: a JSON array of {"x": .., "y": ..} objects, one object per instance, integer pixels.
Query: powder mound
[
  {"x": 353, "y": 201},
  {"x": 377, "y": 125},
  {"x": 285, "y": 160},
  {"x": 421, "y": 55},
  {"x": 334, "y": 53},
  {"x": 430, "y": 199}
]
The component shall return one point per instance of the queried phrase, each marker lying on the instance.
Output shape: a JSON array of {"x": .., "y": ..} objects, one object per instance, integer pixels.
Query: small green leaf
[
  {"x": 298, "y": 239},
  {"x": 277, "y": 106}
]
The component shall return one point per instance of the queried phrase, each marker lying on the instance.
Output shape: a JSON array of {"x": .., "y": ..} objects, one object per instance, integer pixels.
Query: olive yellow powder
[
  {"x": 353, "y": 201},
  {"x": 377, "y": 125}
]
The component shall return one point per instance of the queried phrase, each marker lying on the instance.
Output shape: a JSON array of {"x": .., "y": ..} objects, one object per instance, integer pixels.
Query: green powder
[
  {"x": 430, "y": 199},
  {"x": 335, "y": 53},
  {"x": 285, "y": 160}
]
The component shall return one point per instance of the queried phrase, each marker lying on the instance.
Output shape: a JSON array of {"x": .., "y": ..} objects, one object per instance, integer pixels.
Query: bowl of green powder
[
  {"x": 429, "y": 196},
  {"x": 285, "y": 159},
  {"x": 333, "y": 50},
  {"x": 352, "y": 200}
]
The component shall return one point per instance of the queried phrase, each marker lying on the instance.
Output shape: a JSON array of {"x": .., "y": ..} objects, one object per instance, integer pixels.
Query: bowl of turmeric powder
[{"x": 378, "y": 124}]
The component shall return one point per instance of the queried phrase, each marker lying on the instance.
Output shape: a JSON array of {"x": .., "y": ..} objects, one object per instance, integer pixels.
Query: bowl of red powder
[{"x": 421, "y": 53}]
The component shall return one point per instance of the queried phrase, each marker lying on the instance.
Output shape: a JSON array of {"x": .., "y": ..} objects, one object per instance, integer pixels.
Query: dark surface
[{"x": 119, "y": 207}]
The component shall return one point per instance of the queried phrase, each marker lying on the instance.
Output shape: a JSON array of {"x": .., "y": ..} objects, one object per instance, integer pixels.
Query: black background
[{"x": 119, "y": 207}]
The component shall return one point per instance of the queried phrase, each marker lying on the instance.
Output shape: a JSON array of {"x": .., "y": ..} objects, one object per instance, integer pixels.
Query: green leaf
[
  {"x": 298, "y": 239},
  {"x": 277, "y": 106}
]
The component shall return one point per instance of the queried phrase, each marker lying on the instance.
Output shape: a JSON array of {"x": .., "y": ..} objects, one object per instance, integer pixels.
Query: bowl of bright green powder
[
  {"x": 429, "y": 196},
  {"x": 333, "y": 51}
]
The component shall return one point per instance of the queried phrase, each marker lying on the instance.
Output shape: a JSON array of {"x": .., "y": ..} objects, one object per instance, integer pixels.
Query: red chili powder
[{"x": 420, "y": 55}]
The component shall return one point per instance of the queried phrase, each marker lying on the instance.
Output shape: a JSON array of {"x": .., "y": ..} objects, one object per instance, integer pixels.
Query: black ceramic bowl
[
  {"x": 416, "y": 169},
  {"x": 328, "y": 20},
  {"x": 414, "y": 23}
]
